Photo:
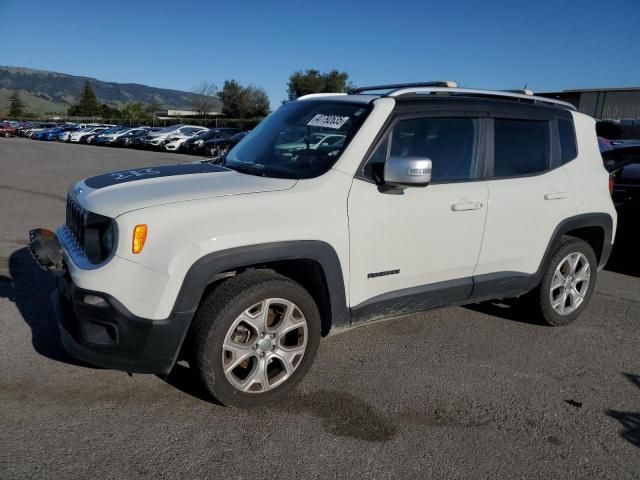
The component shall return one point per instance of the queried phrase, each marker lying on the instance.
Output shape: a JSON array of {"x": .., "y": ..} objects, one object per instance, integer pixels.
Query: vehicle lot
[{"x": 475, "y": 392}]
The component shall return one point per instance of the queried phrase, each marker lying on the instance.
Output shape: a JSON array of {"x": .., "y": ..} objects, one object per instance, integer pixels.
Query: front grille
[{"x": 76, "y": 218}]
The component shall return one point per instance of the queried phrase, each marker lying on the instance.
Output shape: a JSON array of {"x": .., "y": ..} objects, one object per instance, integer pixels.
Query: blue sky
[{"x": 547, "y": 45}]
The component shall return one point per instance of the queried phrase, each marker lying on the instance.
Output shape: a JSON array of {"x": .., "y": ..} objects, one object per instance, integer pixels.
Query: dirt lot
[{"x": 473, "y": 392}]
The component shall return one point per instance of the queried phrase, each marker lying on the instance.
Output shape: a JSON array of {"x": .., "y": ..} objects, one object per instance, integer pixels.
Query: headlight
[
  {"x": 108, "y": 238},
  {"x": 100, "y": 237},
  {"x": 199, "y": 142}
]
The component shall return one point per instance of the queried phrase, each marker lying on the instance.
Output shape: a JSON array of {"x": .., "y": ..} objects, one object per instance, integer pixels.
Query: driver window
[{"x": 450, "y": 143}]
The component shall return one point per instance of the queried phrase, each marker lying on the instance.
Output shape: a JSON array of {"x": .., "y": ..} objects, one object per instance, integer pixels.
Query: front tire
[
  {"x": 254, "y": 338},
  {"x": 567, "y": 284}
]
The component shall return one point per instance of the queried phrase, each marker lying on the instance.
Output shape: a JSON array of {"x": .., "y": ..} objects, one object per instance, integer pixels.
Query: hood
[{"x": 113, "y": 194}]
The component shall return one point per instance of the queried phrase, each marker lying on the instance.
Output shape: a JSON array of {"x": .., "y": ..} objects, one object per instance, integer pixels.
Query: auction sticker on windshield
[{"x": 327, "y": 121}]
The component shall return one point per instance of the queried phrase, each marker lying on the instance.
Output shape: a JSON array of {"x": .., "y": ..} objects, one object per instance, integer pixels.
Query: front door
[{"x": 418, "y": 248}]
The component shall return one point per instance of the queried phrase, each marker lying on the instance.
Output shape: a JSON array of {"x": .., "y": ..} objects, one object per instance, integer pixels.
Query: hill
[{"x": 44, "y": 91}]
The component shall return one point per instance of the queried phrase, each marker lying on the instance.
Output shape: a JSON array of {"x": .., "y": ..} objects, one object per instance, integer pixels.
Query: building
[
  {"x": 176, "y": 113},
  {"x": 603, "y": 103}
]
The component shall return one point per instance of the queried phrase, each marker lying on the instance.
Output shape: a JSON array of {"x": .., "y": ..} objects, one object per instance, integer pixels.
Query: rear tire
[
  {"x": 254, "y": 338},
  {"x": 567, "y": 284}
]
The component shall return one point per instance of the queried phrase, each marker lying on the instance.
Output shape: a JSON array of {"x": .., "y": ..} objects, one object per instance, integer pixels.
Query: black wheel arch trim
[
  {"x": 602, "y": 220},
  {"x": 209, "y": 268}
]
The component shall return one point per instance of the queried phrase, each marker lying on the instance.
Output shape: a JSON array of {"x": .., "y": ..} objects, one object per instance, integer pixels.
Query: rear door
[{"x": 530, "y": 193}]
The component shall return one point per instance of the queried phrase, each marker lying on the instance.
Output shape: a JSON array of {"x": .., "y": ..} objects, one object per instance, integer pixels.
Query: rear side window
[
  {"x": 522, "y": 147},
  {"x": 567, "y": 133},
  {"x": 450, "y": 143}
]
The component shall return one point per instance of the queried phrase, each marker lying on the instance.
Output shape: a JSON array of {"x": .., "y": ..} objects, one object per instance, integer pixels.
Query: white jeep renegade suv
[{"x": 423, "y": 196}]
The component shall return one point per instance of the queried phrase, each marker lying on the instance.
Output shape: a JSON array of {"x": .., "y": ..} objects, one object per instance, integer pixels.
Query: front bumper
[
  {"x": 97, "y": 328},
  {"x": 110, "y": 336}
]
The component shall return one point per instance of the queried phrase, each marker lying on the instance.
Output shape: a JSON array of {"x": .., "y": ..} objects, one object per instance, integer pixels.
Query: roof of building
[{"x": 584, "y": 90}]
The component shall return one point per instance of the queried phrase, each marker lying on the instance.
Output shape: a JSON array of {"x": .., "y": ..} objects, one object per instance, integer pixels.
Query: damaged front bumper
[
  {"x": 97, "y": 328},
  {"x": 46, "y": 250}
]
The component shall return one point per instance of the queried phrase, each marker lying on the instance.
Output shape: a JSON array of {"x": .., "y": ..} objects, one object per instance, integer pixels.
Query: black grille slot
[{"x": 76, "y": 217}]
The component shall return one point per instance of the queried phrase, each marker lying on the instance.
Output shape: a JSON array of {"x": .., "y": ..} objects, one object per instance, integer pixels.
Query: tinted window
[
  {"x": 450, "y": 143},
  {"x": 568, "y": 147},
  {"x": 521, "y": 147}
]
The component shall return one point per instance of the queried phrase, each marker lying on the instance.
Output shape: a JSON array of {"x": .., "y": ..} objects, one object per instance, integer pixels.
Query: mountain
[{"x": 49, "y": 92}]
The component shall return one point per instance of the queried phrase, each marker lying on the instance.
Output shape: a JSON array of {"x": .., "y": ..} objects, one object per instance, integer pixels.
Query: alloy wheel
[
  {"x": 570, "y": 283},
  {"x": 264, "y": 345}
]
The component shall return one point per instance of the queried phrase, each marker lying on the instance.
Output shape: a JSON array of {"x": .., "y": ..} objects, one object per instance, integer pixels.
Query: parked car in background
[
  {"x": 107, "y": 136},
  {"x": 196, "y": 144},
  {"x": 623, "y": 163},
  {"x": 91, "y": 137},
  {"x": 159, "y": 138},
  {"x": 52, "y": 133},
  {"x": 56, "y": 133},
  {"x": 25, "y": 127},
  {"x": 7, "y": 131},
  {"x": 66, "y": 136},
  {"x": 175, "y": 142},
  {"x": 81, "y": 136},
  {"x": 37, "y": 127},
  {"x": 604, "y": 144},
  {"x": 127, "y": 138},
  {"x": 625, "y": 143},
  {"x": 311, "y": 142},
  {"x": 217, "y": 148},
  {"x": 41, "y": 133}
]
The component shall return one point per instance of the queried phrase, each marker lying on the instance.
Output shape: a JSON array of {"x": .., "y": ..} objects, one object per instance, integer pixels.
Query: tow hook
[{"x": 45, "y": 249}]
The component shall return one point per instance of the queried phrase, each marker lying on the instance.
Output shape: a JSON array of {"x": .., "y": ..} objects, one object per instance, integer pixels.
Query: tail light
[{"x": 611, "y": 184}]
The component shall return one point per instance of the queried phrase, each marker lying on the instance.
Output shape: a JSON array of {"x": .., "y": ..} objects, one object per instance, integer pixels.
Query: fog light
[{"x": 95, "y": 300}]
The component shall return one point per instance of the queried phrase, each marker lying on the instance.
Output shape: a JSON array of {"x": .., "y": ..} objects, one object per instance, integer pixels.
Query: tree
[
  {"x": 256, "y": 102},
  {"x": 88, "y": 104},
  {"x": 231, "y": 98},
  {"x": 243, "y": 102},
  {"x": 107, "y": 111},
  {"x": 312, "y": 81},
  {"x": 203, "y": 98},
  {"x": 16, "y": 105}
]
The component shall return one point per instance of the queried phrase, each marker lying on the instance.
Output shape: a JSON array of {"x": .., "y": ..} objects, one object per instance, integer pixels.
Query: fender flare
[
  {"x": 208, "y": 268},
  {"x": 602, "y": 220}
]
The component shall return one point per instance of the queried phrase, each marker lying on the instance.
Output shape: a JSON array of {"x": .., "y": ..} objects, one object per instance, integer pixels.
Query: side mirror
[{"x": 407, "y": 171}]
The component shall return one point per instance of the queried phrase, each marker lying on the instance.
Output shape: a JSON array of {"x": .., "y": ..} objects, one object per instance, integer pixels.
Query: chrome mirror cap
[{"x": 407, "y": 171}]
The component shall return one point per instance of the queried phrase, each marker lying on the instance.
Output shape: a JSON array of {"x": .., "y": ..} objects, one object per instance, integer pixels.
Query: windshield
[{"x": 299, "y": 140}]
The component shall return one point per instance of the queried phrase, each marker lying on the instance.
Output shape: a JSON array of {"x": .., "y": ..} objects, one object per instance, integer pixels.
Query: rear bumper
[{"x": 110, "y": 336}]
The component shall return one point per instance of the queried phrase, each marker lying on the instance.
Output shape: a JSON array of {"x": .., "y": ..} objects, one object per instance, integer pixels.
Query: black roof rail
[{"x": 396, "y": 86}]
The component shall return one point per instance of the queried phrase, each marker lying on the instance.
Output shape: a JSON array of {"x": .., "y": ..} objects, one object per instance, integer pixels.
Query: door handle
[
  {"x": 461, "y": 207},
  {"x": 556, "y": 196}
]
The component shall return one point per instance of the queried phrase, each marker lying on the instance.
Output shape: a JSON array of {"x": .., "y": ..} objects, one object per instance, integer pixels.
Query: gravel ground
[{"x": 474, "y": 392}]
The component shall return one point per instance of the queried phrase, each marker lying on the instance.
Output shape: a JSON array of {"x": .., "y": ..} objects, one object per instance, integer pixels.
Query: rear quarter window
[{"x": 567, "y": 134}]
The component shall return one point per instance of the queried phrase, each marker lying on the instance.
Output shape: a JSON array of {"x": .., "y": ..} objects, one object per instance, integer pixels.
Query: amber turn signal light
[{"x": 139, "y": 237}]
